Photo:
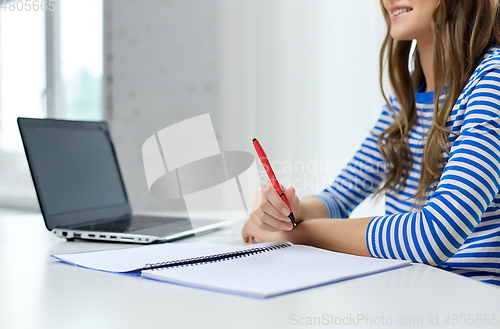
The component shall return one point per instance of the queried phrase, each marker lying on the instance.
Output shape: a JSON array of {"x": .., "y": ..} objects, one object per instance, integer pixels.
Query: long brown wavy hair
[{"x": 464, "y": 30}]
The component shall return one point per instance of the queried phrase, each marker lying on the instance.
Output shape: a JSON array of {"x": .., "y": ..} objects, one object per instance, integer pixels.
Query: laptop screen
[{"x": 75, "y": 171}]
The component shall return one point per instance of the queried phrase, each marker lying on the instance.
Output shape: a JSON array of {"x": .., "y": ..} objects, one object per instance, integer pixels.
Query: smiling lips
[
  {"x": 400, "y": 11},
  {"x": 397, "y": 12}
]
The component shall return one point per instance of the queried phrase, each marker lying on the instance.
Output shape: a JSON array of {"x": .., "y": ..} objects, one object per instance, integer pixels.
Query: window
[
  {"x": 81, "y": 59},
  {"x": 22, "y": 89},
  {"x": 74, "y": 45}
]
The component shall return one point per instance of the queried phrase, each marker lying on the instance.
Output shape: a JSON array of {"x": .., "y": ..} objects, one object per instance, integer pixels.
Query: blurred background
[{"x": 300, "y": 75}]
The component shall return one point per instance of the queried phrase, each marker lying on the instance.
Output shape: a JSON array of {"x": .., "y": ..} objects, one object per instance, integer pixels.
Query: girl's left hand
[{"x": 253, "y": 234}]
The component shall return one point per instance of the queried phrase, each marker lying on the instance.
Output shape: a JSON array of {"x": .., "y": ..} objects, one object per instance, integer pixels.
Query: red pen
[{"x": 267, "y": 166}]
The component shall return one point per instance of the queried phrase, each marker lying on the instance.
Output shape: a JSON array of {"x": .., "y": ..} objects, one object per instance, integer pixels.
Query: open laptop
[{"x": 80, "y": 188}]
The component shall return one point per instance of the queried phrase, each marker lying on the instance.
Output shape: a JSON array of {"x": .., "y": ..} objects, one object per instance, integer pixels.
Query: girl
[{"x": 439, "y": 140}]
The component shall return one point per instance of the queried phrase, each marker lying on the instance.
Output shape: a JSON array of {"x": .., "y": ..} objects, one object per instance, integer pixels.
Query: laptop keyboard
[{"x": 136, "y": 223}]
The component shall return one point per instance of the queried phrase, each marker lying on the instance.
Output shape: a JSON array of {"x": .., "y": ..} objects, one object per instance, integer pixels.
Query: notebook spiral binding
[{"x": 215, "y": 257}]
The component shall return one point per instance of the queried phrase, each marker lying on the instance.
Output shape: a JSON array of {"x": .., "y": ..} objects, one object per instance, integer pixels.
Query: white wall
[{"x": 301, "y": 75}]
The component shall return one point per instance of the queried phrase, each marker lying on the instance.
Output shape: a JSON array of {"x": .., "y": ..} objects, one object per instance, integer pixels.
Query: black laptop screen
[{"x": 75, "y": 172}]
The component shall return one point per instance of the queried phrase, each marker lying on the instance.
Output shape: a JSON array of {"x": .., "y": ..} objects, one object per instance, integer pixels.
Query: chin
[{"x": 401, "y": 36}]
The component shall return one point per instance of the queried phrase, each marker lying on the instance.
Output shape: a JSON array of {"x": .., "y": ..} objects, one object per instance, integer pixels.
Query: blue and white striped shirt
[{"x": 458, "y": 228}]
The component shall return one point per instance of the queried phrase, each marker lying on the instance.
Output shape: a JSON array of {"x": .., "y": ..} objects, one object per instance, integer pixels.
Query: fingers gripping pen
[{"x": 267, "y": 167}]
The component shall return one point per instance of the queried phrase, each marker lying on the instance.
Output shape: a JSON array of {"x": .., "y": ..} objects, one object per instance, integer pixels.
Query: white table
[{"x": 36, "y": 291}]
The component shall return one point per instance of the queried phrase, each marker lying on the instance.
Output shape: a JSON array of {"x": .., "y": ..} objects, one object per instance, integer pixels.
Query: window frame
[{"x": 26, "y": 199}]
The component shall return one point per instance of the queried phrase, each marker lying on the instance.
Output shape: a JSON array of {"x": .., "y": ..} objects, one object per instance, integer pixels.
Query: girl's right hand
[{"x": 270, "y": 213}]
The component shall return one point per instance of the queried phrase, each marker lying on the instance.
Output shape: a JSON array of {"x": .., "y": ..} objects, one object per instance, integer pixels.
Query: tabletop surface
[{"x": 36, "y": 291}]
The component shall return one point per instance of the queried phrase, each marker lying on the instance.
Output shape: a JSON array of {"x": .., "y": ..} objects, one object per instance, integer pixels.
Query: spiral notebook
[{"x": 260, "y": 271}]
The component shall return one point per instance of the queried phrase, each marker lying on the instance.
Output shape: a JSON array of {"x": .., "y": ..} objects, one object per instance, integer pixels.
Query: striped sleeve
[
  {"x": 469, "y": 183},
  {"x": 362, "y": 176}
]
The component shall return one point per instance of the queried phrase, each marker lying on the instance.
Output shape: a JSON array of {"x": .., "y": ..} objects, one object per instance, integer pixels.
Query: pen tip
[{"x": 253, "y": 140}]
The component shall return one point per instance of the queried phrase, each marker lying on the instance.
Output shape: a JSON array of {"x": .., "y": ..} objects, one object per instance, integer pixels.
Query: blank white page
[
  {"x": 131, "y": 259},
  {"x": 275, "y": 272}
]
